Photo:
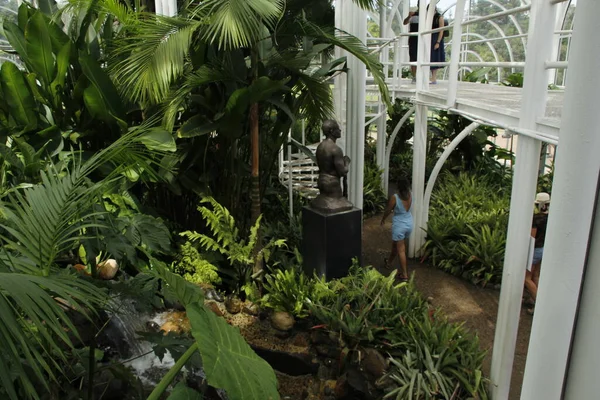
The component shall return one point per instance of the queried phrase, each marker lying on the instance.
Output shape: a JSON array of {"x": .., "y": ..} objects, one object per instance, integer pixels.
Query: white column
[
  {"x": 355, "y": 100},
  {"x": 560, "y": 15},
  {"x": 455, "y": 54},
  {"x": 418, "y": 177},
  {"x": 417, "y": 238},
  {"x": 567, "y": 240},
  {"x": 533, "y": 105},
  {"x": 341, "y": 80},
  {"x": 382, "y": 121},
  {"x": 158, "y": 7}
]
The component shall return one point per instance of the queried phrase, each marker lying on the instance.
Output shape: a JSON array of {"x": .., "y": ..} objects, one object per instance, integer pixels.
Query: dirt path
[{"x": 460, "y": 300}]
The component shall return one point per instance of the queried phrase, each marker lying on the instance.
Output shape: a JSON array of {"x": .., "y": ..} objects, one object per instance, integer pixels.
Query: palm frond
[
  {"x": 203, "y": 76},
  {"x": 314, "y": 97},
  {"x": 238, "y": 23},
  {"x": 354, "y": 46},
  {"x": 152, "y": 56},
  {"x": 34, "y": 326},
  {"x": 368, "y": 4}
]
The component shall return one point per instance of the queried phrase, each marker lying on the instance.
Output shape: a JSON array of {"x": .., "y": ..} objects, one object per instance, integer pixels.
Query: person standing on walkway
[
  {"x": 413, "y": 41},
  {"x": 438, "y": 52},
  {"x": 538, "y": 232},
  {"x": 402, "y": 224}
]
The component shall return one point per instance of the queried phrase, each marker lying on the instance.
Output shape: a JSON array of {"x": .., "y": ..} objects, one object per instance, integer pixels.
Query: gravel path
[{"x": 461, "y": 301}]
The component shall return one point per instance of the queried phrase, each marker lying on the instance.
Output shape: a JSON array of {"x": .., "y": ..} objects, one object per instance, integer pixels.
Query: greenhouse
[{"x": 299, "y": 199}]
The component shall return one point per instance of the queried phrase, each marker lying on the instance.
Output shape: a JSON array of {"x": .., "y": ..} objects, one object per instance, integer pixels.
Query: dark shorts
[{"x": 412, "y": 48}]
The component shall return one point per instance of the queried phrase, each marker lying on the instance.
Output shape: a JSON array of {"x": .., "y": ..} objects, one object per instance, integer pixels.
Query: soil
[{"x": 460, "y": 300}]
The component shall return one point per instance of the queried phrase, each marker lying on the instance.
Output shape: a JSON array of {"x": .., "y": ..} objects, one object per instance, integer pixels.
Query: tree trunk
[{"x": 255, "y": 178}]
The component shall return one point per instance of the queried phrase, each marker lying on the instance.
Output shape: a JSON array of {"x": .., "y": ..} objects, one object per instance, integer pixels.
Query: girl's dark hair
[{"x": 403, "y": 186}]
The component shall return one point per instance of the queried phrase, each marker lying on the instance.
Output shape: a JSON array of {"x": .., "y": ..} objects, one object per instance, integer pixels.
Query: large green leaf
[
  {"x": 182, "y": 392},
  {"x": 103, "y": 84},
  {"x": 18, "y": 96},
  {"x": 159, "y": 139},
  {"x": 16, "y": 38},
  {"x": 260, "y": 90},
  {"x": 39, "y": 48},
  {"x": 196, "y": 126},
  {"x": 62, "y": 64},
  {"x": 95, "y": 104},
  {"x": 228, "y": 361}
]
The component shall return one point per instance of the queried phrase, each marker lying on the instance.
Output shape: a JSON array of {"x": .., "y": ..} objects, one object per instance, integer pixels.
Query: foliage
[
  {"x": 242, "y": 255},
  {"x": 514, "y": 80},
  {"x": 466, "y": 231},
  {"x": 363, "y": 306},
  {"x": 228, "y": 361},
  {"x": 430, "y": 357},
  {"x": 374, "y": 198},
  {"x": 288, "y": 290},
  {"x": 63, "y": 93},
  {"x": 193, "y": 267},
  {"x": 39, "y": 224},
  {"x": 440, "y": 362}
]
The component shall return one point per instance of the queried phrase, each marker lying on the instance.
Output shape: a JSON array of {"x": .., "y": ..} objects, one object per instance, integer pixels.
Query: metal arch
[
  {"x": 492, "y": 48},
  {"x": 390, "y": 145},
  {"x": 512, "y": 17},
  {"x": 395, "y": 12},
  {"x": 438, "y": 167}
]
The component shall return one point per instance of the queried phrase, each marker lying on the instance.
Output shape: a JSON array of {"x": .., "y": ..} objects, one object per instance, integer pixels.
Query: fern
[
  {"x": 194, "y": 267},
  {"x": 242, "y": 253}
]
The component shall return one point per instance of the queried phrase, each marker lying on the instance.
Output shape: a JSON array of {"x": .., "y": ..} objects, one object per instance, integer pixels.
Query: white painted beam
[
  {"x": 573, "y": 198},
  {"x": 533, "y": 105}
]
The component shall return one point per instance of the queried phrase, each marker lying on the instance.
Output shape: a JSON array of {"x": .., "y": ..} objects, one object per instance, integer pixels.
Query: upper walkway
[{"x": 493, "y": 104}]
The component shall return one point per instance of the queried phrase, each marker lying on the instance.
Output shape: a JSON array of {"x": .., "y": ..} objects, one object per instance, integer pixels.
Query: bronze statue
[{"x": 333, "y": 167}]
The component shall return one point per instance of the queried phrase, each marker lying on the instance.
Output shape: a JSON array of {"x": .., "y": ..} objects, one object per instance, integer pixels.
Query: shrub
[
  {"x": 288, "y": 290},
  {"x": 193, "y": 267},
  {"x": 466, "y": 231},
  {"x": 374, "y": 198}
]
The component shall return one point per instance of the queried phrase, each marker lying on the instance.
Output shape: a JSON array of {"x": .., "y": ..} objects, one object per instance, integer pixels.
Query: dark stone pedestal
[{"x": 330, "y": 241}]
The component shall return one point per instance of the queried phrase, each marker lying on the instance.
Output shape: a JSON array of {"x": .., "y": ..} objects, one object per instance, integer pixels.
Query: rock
[
  {"x": 374, "y": 363},
  {"x": 107, "y": 269},
  {"x": 152, "y": 326},
  {"x": 214, "y": 307},
  {"x": 233, "y": 305},
  {"x": 430, "y": 300},
  {"x": 251, "y": 309},
  {"x": 212, "y": 294},
  {"x": 300, "y": 340},
  {"x": 282, "y": 321},
  {"x": 177, "y": 322}
]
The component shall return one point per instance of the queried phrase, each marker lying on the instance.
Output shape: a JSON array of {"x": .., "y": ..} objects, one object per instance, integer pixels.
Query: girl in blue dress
[{"x": 402, "y": 224}]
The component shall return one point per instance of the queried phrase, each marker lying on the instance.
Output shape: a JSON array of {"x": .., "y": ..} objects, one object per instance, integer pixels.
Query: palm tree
[
  {"x": 39, "y": 224},
  {"x": 233, "y": 63}
]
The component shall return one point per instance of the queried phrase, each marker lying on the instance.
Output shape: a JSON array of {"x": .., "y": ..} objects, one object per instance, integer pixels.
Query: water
[{"x": 124, "y": 344}]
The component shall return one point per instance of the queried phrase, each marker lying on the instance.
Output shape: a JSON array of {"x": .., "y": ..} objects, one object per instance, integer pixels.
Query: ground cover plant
[
  {"x": 466, "y": 231},
  {"x": 367, "y": 311}
]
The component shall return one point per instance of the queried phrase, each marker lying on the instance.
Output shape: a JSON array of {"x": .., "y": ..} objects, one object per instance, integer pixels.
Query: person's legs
[
  {"x": 434, "y": 75},
  {"x": 536, "y": 264},
  {"x": 392, "y": 257},
  {"x": 401, "y": 250},
  {"x": 530, "y": 285},
  {"x": 413, "y": 71}
]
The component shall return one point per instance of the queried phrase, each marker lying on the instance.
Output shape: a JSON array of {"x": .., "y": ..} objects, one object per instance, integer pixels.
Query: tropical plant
[
  {"x": 364, "y": 306},
  {"x": 288, "y": 290},
  {"x": 374, "y": 198},
  {"x": 247, "y": 71},
  {"x": 39, "y": 224},
  {"x": 441, "y": 362},
  {"x": 466, "y": 231},
  {"x": 514, "y": 80},
  {"x": 228, "y": 361},
  {"x": 193, "y": 267},
  {"x": 244, "y": 256},
  {"x": 63, "y": 93}
]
